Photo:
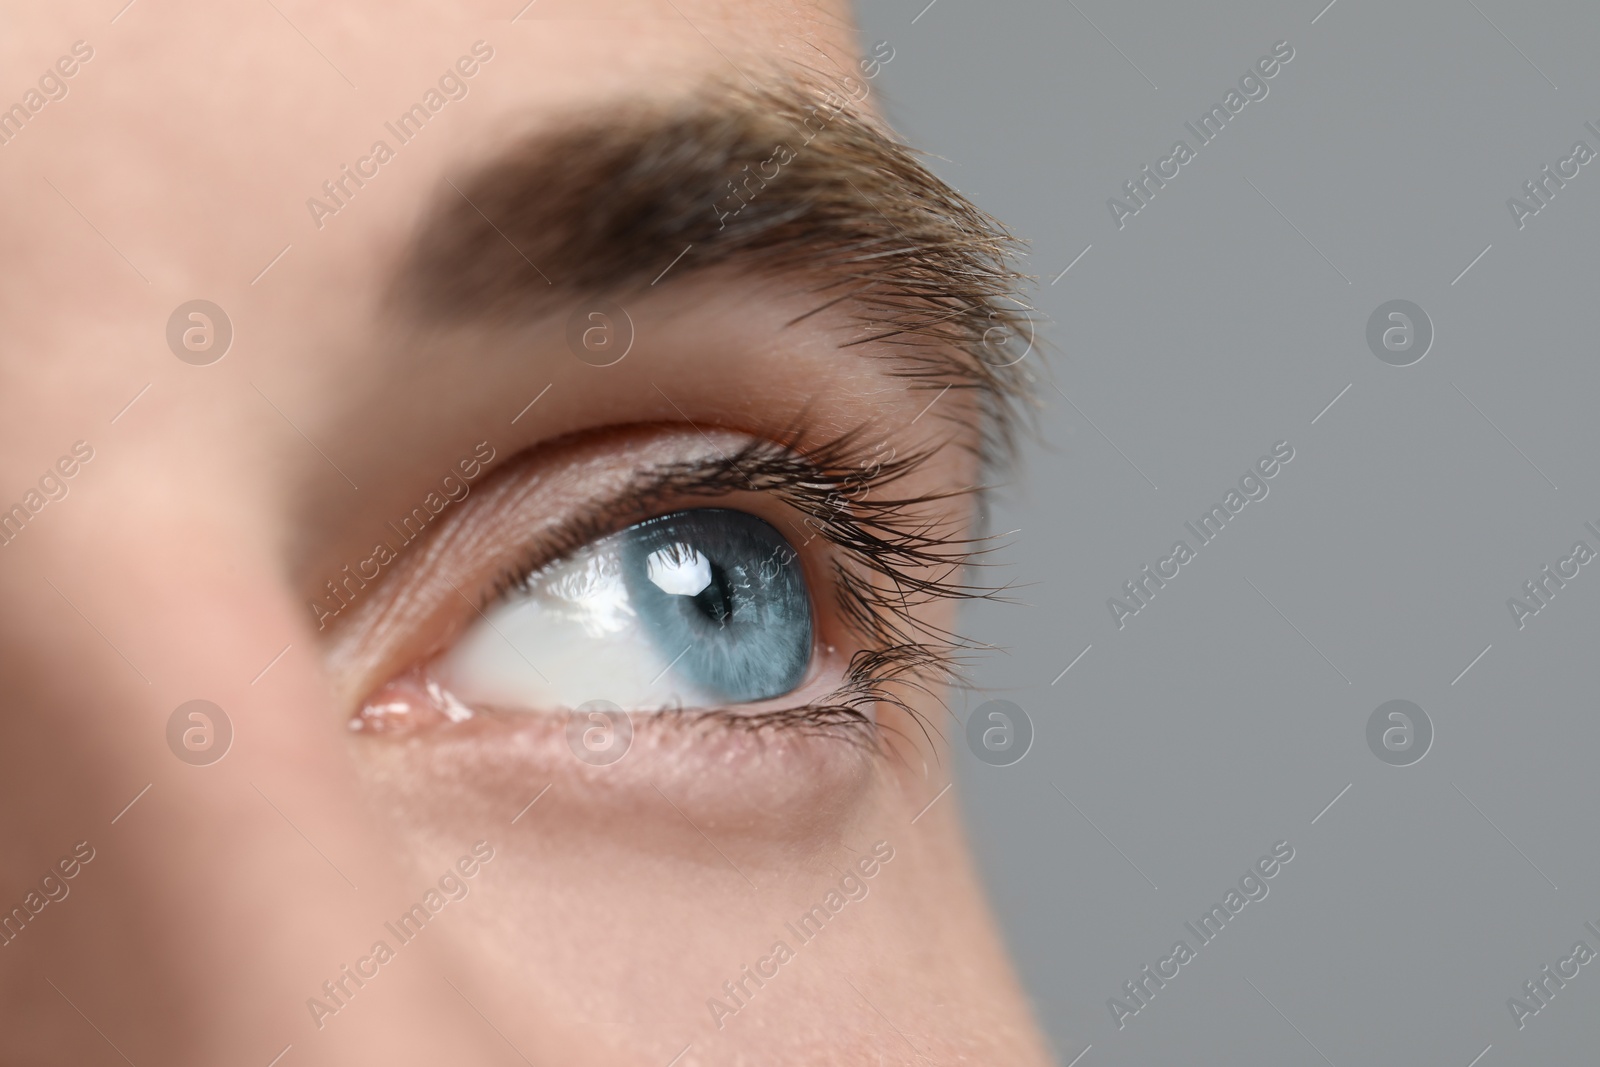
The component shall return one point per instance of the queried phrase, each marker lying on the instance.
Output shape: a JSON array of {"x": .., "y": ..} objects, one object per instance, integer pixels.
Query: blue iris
[{"x": 721, "y": 592}]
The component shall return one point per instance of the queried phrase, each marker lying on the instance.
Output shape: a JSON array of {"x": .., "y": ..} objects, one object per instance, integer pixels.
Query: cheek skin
[
  {"x": 638, "y": 967},
  {"x": 201, "y": 872}
]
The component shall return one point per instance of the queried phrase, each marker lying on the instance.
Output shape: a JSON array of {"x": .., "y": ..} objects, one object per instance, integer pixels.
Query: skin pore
[{"x": 389, "y": 340}]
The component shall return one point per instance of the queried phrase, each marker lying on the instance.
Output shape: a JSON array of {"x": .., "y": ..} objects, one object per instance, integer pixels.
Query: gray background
[{"x": 1192, "y": 340}]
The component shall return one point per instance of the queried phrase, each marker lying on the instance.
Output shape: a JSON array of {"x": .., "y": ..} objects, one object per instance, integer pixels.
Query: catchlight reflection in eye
[{"x": 701, "y": 608}]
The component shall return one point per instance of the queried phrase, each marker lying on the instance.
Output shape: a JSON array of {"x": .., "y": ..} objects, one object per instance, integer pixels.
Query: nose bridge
[{"x": 179, "y": 806}]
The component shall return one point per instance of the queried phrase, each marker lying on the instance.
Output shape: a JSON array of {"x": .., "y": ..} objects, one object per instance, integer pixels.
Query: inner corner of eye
[{"x": 701, "y": 608}]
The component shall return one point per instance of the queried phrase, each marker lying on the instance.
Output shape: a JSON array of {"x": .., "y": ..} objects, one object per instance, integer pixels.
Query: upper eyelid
[
  {"x": 506, "y": 494},
  {"x": 876, "y": 538},
  {"x": 652, "y": 489},
  {"x": 826, "y": 475}
]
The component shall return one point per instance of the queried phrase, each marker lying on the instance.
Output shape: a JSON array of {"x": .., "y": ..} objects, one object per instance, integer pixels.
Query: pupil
[
  {"x": 734, "y": 630},
  {"x": 715, "y": 601}
]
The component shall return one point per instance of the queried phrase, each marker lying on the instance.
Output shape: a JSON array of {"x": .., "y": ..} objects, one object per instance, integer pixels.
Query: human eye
[
  {"x": 705, "y": 607},
  {"x": 758, "y": 583}
]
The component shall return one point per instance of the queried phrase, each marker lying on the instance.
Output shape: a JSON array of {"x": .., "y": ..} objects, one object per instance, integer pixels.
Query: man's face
[{"x": 482, "y": 496}]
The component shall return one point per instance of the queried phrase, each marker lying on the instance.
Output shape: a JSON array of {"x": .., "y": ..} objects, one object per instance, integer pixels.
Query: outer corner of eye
[{"x": 697, "y": 609}]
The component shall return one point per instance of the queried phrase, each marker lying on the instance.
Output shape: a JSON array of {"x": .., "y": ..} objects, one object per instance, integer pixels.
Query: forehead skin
[{"x": 178, "y": 167}]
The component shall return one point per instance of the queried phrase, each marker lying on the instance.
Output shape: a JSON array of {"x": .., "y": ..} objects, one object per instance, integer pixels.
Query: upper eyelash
[{"x": 839, "y": 487}]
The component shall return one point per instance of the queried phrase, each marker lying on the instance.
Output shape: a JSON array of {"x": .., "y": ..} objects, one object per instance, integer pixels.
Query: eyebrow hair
[{"x": 787, "y": 180}]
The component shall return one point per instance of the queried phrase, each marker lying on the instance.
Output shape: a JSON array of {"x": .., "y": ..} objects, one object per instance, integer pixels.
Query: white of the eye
[
  {"x": 679, "y": 570},
  {"x": 573, "y": 636}
]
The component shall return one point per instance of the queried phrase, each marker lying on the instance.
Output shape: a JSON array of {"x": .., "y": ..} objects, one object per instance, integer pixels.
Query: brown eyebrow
[{"x": 790, "y": 180}]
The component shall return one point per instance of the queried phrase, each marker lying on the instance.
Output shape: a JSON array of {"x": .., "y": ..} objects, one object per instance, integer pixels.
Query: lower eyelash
[{"x": 874, "y": 677}]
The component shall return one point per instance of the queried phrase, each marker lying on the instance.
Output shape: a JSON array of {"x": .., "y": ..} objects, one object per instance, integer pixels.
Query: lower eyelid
[
  {"x": 790, "y": 787},
  {"x": 420, "y": 700}
]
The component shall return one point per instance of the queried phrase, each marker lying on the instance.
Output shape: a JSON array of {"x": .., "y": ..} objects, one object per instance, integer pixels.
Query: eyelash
[{"x": 879, "y": 541}]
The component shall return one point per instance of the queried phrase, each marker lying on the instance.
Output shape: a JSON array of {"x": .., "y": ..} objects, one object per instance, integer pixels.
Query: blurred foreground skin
[{"x": 228, "y": 914}]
